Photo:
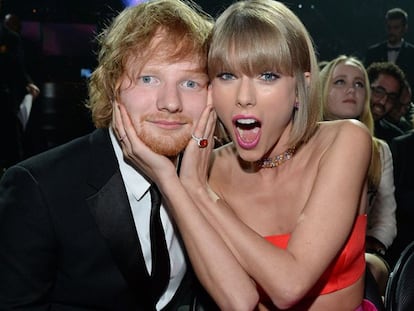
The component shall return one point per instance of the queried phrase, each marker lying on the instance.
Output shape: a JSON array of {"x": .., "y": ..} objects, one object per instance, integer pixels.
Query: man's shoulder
[
  {"x": 376, "y": 53},
  {"x": 406, "y": 138},
  {"x": 385, "y": 124},
  {"x": 408, "y": 45},
  {"x": 71, "y": 153},
  {"x": 377, "y": 46}
]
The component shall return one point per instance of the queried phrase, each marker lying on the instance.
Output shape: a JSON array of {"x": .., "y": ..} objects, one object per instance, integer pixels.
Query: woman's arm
[
  {"x": 328, "y": 217},
  {"x": 215, "y": 265}
]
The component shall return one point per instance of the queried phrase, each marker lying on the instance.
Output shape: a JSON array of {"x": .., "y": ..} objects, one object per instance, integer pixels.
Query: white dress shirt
[
  {"x": 392, "y": 54},
  {"x": 140, "y": 200},
  {"x": 382, "y": 224}
]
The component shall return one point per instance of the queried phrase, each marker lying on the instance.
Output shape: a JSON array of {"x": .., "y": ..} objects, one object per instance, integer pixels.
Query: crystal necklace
[{"x": 277, "y": 160}]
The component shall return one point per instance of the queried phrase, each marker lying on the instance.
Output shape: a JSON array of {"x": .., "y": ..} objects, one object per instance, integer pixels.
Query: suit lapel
[
  {"x": 113, "y": 215},
  {"x": 402, "y": 56}
]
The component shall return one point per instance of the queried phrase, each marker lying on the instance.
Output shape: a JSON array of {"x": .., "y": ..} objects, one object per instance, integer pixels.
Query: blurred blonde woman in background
[{"x": 346, "y": 95}]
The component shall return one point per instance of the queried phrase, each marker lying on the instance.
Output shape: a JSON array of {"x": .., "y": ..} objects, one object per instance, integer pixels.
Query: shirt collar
[
  {"x": 398, "y": 45},
  {"x": 136, "y": 183}
]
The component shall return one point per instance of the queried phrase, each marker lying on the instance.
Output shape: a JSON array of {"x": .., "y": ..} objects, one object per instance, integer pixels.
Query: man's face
[
  {"x": 164, "y": 100},
  {"x": 384, "y": 95},
  {"x": 395, "y": 30},
  {"x": 401, "y": 108}
]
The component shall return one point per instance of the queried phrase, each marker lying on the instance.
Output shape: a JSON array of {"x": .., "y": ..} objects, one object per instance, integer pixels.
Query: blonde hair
[
  {"x": 326, "y": 75},
  {"x": 185, "y": 30},
  {"x": 253, "y": 36}
]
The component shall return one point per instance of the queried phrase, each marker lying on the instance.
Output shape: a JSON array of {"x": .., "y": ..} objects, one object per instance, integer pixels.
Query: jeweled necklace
[{"x": 277, "y": 160}]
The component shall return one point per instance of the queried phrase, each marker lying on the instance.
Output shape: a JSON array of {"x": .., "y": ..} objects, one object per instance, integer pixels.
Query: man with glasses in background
[
  {"x": 387, "y": 81},
  {"x": 401, "y": 114}
]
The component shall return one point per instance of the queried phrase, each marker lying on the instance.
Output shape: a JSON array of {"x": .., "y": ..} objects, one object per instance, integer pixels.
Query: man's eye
[
  {"x": 191, "y": 84},
  {"x": 146, "y": 79}
]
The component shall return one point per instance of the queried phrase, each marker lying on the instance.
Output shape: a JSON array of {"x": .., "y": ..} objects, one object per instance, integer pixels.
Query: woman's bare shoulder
[
  {"x": 345, "y": 138},
  {"x": 345, "y": 130}
]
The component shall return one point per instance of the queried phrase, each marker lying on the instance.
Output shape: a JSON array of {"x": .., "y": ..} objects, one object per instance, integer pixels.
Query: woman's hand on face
[
  {"x": 152, "y": 164},
  {"x": 195, "y": 162}
]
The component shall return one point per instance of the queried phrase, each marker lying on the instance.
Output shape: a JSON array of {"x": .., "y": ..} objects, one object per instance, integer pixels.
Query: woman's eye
[
  {"x": 225, "y": 76},
  {"x": 339, "y": 82},
  {"x": 359, "y": 85},
  {"x": 269, "y": 76}
]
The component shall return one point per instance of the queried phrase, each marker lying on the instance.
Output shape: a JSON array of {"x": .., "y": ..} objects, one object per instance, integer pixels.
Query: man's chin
[
  {"x": 377, "y": 117},
  {"x": 167, "y": 147}
]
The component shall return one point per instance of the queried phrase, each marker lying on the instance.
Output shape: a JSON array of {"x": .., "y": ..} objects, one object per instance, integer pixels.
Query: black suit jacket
[
  {"x": 67, "y": 236},
  {"x": 402, "y": 149},
  {"x": 405, "y": 60},
  {"x": 387, "y": 131},
  {"x": 13, "y": 75},
  {"x": 13, "y": 81}
]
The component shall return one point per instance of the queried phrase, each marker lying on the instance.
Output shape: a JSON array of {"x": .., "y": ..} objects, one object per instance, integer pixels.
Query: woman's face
[
  {"x": 347, "y": 92},
  {"x": 255, "y": 110}
]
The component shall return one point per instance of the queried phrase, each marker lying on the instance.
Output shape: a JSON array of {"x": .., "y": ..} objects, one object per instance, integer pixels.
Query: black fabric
[
  {"x": 372, "y": 292},
  {"x": 111, "y": 210},
  {"x": 399, "y": 294},
  {"x": 386, "y": 130},
  {"x": 67, "y": 235},
  {"x": 54, "y": 253},
  {"x": 160, "y": 273},
  {"x": 402, "y": 149},
  {"x": 191, "y": 296},
  {"x": 13, "y": 81}
]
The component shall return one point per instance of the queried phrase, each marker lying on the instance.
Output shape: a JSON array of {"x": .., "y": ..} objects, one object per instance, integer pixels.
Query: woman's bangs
[{"x": 259, "y": 51}]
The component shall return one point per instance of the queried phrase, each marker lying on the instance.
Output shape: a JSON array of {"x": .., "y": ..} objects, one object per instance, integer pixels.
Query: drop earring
[{"x": 296, "y": 105}]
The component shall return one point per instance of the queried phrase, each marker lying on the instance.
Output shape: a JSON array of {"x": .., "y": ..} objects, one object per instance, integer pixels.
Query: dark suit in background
[
  {"x": 405, "y": 59},
  {"x": 387, "y": 131},
  {"x": 402, "y": 149},
  {"x": 13, "y": 82}
]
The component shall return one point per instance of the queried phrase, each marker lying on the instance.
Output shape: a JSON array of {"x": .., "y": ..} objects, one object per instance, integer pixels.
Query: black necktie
[{"x": 160, "y": 274}]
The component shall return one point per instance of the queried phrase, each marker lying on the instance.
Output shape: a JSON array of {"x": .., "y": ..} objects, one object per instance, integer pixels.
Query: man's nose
[{"x": 170, "y": 99}]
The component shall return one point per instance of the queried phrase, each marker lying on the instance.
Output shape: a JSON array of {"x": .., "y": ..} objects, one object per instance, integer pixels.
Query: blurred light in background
[{"x": 128, "y": 3}]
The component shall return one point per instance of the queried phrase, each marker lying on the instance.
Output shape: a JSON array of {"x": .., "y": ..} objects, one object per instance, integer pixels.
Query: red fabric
[{"x": 348, "y": 266}]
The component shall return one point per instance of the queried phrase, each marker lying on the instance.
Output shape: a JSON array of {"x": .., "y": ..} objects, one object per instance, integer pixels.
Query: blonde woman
[{"x": 346, "y": 95}]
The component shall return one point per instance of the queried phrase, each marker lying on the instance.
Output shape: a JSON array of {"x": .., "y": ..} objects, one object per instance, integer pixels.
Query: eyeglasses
[{"x": 379, "y": 92}]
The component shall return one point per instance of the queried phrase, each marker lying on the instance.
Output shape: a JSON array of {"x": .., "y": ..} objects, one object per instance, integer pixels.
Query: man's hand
[{"x": 33, "y": 90}]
